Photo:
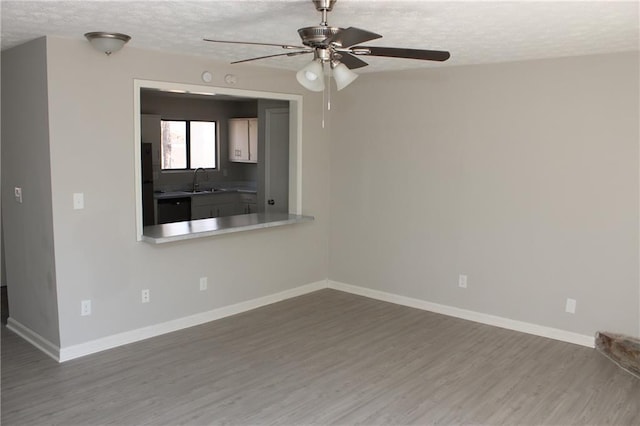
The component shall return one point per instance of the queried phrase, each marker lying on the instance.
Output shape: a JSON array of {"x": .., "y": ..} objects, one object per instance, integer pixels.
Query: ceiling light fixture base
[{"x": 106, "y": 42}]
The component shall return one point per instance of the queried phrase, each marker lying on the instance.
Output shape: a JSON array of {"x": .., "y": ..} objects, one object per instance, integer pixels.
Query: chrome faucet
[{"x": 195, "y": 178}]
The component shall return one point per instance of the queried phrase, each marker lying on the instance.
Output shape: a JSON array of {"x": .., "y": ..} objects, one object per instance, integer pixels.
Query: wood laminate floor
[{"x": 324, "y": 358}]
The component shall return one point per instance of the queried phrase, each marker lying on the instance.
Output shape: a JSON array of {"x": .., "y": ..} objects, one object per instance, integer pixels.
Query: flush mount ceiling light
[{"x": 107, "y": 43}]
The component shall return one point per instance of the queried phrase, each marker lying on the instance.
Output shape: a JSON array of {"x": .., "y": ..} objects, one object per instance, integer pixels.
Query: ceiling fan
[{"x": 338, "y": 47}]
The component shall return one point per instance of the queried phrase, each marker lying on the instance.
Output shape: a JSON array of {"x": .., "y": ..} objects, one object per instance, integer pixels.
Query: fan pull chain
[
  {"x": 323, "y": 108},
  {"x": 328, "y": 93}
]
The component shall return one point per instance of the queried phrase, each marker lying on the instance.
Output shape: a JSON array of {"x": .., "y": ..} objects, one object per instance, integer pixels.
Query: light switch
[
  {"x": 17, "y": 191},
  {"x": 78, "y": 201}
]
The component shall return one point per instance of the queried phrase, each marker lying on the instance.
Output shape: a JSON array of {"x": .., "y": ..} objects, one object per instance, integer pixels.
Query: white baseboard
[
  {"x": 75, "y": 351},
  {"x": 524, "y": 327},
  {"x": 98, "y": 345},
  {"x": 34, "y": 338}
]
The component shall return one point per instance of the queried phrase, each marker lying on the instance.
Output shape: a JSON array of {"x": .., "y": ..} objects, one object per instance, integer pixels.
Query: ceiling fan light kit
[
  {"x": 337, "y": 47},
  {"x": 342, "y": 75},
  {"x": 311, "y": 76}
]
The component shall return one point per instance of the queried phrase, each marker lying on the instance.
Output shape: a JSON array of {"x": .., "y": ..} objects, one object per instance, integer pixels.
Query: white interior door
[{"x": 277, "y": 160}]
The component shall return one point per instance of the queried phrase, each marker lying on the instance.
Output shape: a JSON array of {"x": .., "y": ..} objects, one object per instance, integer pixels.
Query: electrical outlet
[
  {"x": 462, "y": 281},
  {"x": 146, "y": 296},
  {"x": 203, "y": 284},
  {"x": 78, "y": 201},
  {"x": 85, "y": 308},
  {"x": 17, "y": 192},
  {"x": 570, "y": 307}
]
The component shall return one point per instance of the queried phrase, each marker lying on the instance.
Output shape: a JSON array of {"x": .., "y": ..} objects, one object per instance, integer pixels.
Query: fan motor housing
[
  {"x": 324, "y": 4},
  {"x": 315, "y": 36}
]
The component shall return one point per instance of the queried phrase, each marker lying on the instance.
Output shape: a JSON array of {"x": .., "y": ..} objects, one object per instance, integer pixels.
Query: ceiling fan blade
[
  {"x": 351, "y": 61},
  {"x": 273, "y": 56},
  {"x": 350, "y": 36},
  {"x": 284, "y": 46},
  {"x": 396, "y": 52}
]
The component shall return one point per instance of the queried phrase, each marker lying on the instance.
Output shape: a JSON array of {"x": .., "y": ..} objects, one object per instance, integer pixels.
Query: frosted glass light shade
[
  {"x": 343, "y": 76},
  {"x": 107, "y": 42},
  {"x": 311, "y": 76}
]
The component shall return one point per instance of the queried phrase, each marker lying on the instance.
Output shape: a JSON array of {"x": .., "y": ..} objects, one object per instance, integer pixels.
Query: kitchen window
[{"x": 188, "y": 144}]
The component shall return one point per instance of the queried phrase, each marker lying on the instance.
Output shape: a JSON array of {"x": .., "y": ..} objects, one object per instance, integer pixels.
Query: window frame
[{"x": 216, "y": 147}]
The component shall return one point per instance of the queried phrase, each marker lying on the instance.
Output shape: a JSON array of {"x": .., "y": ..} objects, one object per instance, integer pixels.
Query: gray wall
[
  {"x": 28, "y": 227},
  {"x": 3, "y": 268},
  {"x": 3, "y": 274},
  {"x": 180, "y": 107},
  {"x": 524, "y": 176},
  {"x": 97, "y": 256}
]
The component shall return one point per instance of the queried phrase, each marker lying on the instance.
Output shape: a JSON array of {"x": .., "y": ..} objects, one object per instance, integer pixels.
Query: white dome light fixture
[
  {"x": 107, "y": 43},
  {"x": 311, "y": 76}
]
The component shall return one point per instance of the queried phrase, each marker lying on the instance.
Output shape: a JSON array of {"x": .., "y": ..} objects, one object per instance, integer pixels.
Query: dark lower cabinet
[{"x": 174, "y": 210}]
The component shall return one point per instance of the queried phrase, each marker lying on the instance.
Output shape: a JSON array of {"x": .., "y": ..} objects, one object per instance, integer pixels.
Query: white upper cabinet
[{"x": 243, "y": 140}]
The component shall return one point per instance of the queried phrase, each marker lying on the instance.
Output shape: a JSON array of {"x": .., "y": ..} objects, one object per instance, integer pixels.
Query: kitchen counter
[{"x": 178, "y": 231}]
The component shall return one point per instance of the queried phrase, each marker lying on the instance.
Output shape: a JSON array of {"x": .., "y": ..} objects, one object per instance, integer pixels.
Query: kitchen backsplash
[{"x": 205, "y": 185}]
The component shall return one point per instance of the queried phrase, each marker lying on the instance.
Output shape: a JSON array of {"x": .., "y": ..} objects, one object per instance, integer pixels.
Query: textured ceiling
[{"x": 474, "y": 32}]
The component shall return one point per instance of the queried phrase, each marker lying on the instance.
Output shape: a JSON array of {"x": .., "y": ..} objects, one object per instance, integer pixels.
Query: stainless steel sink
[{"x": 208, "y": 191}]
